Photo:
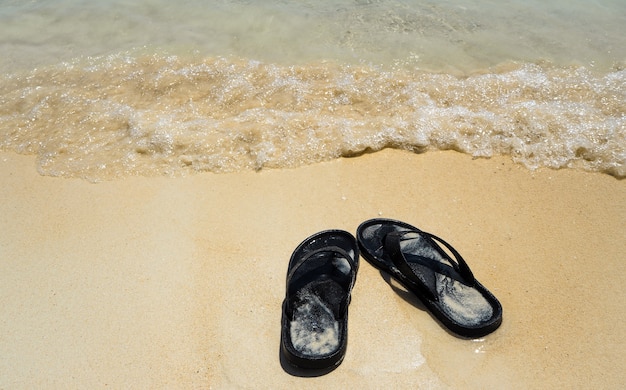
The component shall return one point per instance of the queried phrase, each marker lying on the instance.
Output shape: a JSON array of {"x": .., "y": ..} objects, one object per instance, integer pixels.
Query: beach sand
[{"x": 178, "y": 282}]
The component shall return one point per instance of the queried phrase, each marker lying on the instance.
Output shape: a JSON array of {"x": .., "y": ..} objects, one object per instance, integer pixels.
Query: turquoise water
[{"x": 105, "y": 89}]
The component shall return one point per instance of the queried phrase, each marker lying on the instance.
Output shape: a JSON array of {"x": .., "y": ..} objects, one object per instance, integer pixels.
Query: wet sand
[{"x": 178, "y": 283}]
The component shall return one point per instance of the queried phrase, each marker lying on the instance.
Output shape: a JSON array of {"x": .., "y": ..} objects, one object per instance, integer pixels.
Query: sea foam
[{"x": 129, "y": 114}]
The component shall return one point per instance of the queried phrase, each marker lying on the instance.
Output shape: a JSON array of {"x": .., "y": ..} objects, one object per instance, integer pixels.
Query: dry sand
[{"x": 178, "y": 283}]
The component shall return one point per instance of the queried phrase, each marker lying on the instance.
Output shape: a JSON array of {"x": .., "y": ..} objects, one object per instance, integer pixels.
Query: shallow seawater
[{"x": 105, "y": 89}]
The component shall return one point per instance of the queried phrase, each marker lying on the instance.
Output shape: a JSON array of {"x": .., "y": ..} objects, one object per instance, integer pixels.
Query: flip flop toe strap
[
  {"x": 459, "y": 270},
  {"x": 463, "y": 268},
  {"x": 324, "y": 268}
]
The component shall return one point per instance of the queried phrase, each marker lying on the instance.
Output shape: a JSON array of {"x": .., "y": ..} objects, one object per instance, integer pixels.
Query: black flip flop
[
  {"x": 447, "y": 287},
  {"x": 321, "y": 273}
]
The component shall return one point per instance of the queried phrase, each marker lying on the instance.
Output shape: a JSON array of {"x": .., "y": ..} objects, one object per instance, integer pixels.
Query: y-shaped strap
[
  {"x": 296, "y": 282},
  {"x": 459, "y": 270}
]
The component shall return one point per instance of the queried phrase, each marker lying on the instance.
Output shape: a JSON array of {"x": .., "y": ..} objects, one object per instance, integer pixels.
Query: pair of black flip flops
[{"x": 322, "y": 271}]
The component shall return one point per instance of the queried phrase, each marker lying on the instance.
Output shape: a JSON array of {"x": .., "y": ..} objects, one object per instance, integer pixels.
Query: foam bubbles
[{"x": 101, "y": 118}]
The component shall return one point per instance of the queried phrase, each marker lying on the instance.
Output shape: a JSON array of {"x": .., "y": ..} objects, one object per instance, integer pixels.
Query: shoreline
[{"x": 156, "y": 282}]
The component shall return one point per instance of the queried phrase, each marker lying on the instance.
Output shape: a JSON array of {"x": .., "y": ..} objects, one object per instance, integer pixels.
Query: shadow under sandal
[
  {"x": 447, "y": 287},
  {"x": 321, "y": 273}
]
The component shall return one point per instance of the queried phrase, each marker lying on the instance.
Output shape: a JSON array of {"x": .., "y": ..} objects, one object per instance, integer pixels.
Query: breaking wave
[{"x": 129, "y": 114}]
